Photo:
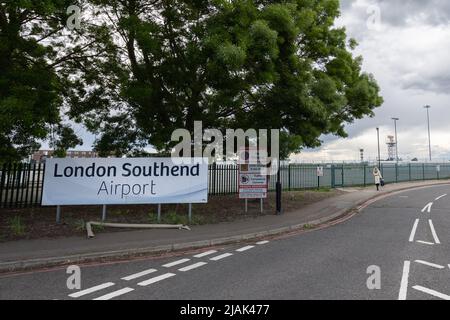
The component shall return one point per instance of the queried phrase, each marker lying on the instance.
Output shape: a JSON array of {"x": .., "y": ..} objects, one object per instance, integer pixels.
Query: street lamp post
[
  {"x": 379, "y": 156},
  {"x": 429, "y": 136},
  {"x": 396, "y": 140}
]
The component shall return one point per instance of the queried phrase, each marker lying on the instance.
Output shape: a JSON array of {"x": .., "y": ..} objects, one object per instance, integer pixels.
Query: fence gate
[{"x": 337, "y": 175}]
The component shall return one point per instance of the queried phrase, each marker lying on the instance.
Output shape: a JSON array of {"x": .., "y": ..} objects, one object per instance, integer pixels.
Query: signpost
[
  {"x": 253, "y": 183},
  {"x": 319, "y": 174}
]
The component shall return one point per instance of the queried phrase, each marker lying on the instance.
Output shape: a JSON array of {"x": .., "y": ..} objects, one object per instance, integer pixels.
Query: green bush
[{"x": 17, "y": 226}]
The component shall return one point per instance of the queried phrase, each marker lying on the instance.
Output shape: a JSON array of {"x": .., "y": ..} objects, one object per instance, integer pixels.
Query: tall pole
[
  {"x": 396, "y": 140},
  {"x": 429, "y": 135},
  {"x": 379, "y": 156},
  {"x": 278, "y": 189}
]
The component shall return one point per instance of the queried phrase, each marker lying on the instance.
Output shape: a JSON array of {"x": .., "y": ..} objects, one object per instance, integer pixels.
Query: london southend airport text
[{"x": 127, "y": 170}]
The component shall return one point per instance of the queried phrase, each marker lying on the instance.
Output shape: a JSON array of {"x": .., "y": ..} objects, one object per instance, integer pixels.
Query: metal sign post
[
  {"x": 104, "y": 213},
  {"x": 319, "y": 174},
  {"x": 278, "y": 189},
  {"x": 159, "y": 212},
  {"x": 58, "y": 214},
  {"x": 190, "y": 212}
]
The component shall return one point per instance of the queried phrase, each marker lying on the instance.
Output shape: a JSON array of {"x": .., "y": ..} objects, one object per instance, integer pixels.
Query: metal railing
[{"x": 21, "y": 184}]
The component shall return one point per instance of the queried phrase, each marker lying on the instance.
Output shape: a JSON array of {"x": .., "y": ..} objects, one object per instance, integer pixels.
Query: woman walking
[{"x": 377, "y": 176}]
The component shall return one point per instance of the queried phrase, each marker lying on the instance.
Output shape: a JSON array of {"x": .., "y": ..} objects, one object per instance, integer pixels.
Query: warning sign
[{"x": 252, "y": 184}]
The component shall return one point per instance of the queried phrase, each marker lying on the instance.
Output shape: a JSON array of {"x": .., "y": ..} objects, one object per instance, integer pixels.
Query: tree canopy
[
  {"x": 140, "y": 69},
  {"x": 31, "y": 90}
]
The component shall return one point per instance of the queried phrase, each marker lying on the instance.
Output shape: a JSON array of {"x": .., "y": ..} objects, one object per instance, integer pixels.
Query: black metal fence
[{"x": 21, "y": 184}]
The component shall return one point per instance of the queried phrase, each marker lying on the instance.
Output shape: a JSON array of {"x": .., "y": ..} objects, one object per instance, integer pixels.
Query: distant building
[{"x": 41, "y": 155}]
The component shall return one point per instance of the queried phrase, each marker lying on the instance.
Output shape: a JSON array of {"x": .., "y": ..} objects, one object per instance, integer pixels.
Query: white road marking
[
  {"x": 192, "y": 266},
  {"x": 425, "y": 242},
  {"x": 175, "y": 263},
  {"x": 413, "y": 231},
  {"x": 262, "y": 242},
  {"x": 440, "y": 197},
  {"x": 433, "y": 231},
  {"x": 437, "y": 266},
  {"x": 204, "y": 254},
  {"x": 115, "y": 294},
  {"x": 428, "y": 207},
  {"x": 245, "y": 248},
  {"x": 138, "y": 275},
  {"x": 404, "y": 283},
  {"x": 156, "y": 279},
  {"x": 91, "y": 290},
  {"x": 432, "y": 292},
  {"x": 222, "y": 256}
]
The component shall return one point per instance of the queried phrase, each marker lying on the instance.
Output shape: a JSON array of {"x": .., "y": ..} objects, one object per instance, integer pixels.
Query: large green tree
[
  {"x": 139, "y": 69},
  {"x": 232, "y": 64},
  {"x": 31, "y": 90}
]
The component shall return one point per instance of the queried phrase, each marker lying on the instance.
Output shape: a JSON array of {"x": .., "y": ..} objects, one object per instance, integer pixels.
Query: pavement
[{"x": 31, "y": 254}]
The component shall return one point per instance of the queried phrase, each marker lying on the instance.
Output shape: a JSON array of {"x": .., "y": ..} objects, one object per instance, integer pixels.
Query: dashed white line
[
  {"x": 413, "y": 231},
  {"x": 425, "y": 242},
  {"x": 138, "y": 275},
  {"x": 428, "y": 207},
  {"x": 404, "y": 283},
  {"x": 115, "y": 294},
  {"x": 245, "y": 248},
  {"x": 192, "y": 266},
  {"x": 222, "y": 256},
  {"x": 91, "y": 290},
  {"x": 432, "y": 292},
  {"x": 175, "y": 263},
  {"x": 433, "y": 232},
  {"x": 440, "y": 197},
  {"x": 156, "y": 279},
  {"x": 437, "y": 266},
  {"x": 204, "y": 254},
  {"x": 262, "y": 242}
]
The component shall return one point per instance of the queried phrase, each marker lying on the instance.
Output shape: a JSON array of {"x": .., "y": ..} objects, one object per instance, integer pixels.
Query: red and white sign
[
  {"x": 252, "y": 184},
  {"x": 320, "y": 172}
]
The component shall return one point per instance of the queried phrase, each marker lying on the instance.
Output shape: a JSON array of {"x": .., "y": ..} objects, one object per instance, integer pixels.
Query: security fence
[{"x": 21, "y": 184}]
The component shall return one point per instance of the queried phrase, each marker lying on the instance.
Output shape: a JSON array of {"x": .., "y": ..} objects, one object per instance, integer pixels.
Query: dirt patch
[{"x": 35, "y": 223}]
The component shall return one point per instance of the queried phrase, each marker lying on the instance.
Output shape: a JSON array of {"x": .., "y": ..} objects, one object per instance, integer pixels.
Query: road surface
[{"x": 405, "y": 236}]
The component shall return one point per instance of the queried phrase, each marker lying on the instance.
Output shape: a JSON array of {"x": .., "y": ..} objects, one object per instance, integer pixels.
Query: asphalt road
[{"x": 411, "y": 248}]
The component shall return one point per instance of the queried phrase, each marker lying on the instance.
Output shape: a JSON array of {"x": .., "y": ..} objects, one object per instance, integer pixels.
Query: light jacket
[{"x": 377, "y": 176}]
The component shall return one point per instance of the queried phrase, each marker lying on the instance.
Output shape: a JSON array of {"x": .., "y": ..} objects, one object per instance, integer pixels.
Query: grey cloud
[
  {"x": 439, "y": 83},
  {"x": 398, "y": 12}
]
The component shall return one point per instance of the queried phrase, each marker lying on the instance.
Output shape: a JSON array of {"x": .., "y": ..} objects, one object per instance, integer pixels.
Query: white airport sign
[{"x": 103, "y": 181}]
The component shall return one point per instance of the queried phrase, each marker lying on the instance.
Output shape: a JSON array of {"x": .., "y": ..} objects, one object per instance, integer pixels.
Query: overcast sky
[{"x": 406, "y": 45}]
